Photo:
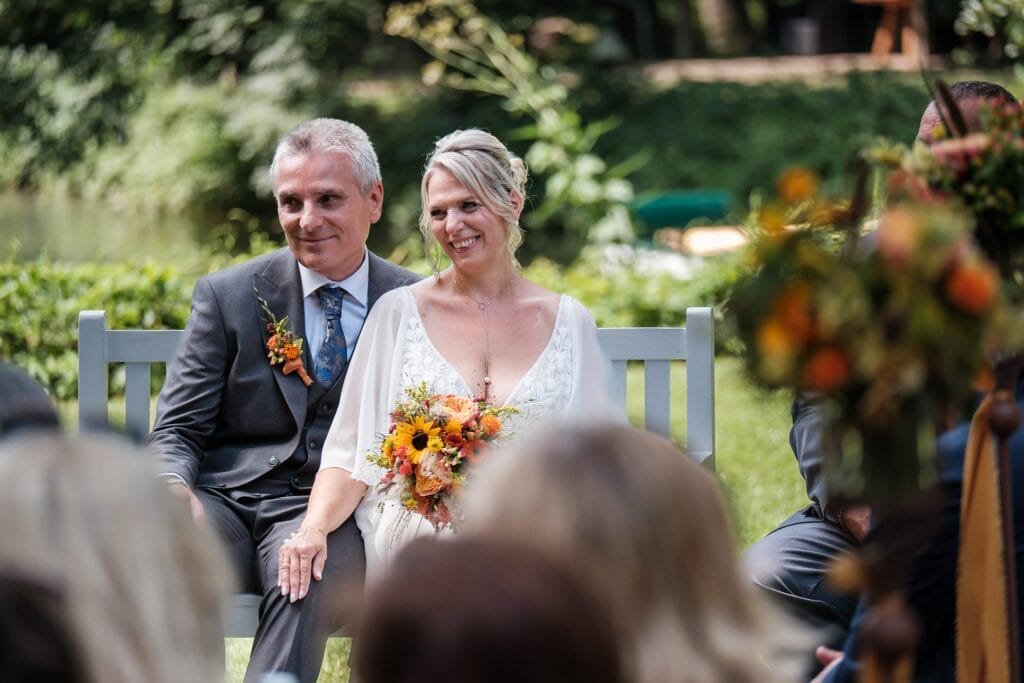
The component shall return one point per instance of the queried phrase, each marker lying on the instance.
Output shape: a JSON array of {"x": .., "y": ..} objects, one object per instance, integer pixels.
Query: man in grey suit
[{"x": 239, "y": 437}]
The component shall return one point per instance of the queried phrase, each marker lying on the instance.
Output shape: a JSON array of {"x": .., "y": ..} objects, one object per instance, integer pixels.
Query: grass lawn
[{"x": 754, "y": 464}]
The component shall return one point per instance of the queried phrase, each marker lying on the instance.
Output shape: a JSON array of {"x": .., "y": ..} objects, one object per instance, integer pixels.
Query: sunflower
[{"x": 419, "y": 436}]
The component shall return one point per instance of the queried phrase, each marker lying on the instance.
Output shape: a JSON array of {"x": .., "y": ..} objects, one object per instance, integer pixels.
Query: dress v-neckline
[{"x": 533, "y": 366}]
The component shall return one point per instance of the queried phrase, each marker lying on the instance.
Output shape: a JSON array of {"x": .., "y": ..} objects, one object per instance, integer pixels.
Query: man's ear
[{"x": 376, "y": 199}]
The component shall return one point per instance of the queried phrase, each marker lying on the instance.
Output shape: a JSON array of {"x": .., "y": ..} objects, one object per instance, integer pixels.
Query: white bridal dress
[{"x": 568, "y": 381}]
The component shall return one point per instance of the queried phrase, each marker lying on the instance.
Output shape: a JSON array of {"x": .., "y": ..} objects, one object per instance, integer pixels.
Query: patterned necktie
[{"x": 333, "y": 356}]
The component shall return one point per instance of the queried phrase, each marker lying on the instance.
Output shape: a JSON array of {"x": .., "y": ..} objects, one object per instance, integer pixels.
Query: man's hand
[
  {"x": 856, "y": 519},
  {"x": 302, "y": 555},
  {"x": 829, "y": 658},
  {"x": 181, "y": 490}
]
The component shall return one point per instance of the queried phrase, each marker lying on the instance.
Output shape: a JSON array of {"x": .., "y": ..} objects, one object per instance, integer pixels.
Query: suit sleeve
[
  {"x": 805, "y": 438},
  {"x": 190, "y": 400}
]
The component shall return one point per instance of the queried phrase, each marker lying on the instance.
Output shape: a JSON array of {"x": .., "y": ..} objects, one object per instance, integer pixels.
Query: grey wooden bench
[{"x": 655, "y": 347}]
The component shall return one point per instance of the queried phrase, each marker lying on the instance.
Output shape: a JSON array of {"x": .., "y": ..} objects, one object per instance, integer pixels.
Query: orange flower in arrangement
[
  {"x": 793, "y": 309},
  {"x": 827, "y": 370},
  {"x": 490, "y": 424},
  {"x": 797, "y": 184},
  {"x": 283, "y": 347},
  {"x": 899, "y": 236},
  {"x": 432, "y": 440},
  {"x": 973, "y": 286}
]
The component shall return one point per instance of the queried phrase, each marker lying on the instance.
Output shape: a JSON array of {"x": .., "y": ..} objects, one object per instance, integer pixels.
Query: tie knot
[{"x": 330, "y": 299}]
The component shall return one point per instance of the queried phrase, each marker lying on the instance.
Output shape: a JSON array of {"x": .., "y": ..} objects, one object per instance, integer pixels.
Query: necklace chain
[{"x": 482, "y": 306}]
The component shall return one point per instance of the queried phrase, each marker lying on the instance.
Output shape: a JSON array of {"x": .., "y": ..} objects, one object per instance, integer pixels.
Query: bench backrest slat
[{"x": 655, "y": 347}]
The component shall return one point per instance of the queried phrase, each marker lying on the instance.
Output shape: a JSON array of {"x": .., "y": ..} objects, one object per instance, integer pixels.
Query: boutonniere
[{"x": 283, "y": 347}]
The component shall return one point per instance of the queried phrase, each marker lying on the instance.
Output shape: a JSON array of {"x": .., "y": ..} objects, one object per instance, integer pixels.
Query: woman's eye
[{"x": 469, "y": 206}]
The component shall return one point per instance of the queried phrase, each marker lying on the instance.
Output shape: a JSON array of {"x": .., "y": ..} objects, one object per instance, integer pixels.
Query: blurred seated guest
[
  {"x": 649, "y": 530},
  {"x": 24, "y": 402},
  {"x": 474, "y": 610},
  {"x": 142, "y": 588},
  {"x": 36, "y": 645},
  {"x": 931, "y": 591}
]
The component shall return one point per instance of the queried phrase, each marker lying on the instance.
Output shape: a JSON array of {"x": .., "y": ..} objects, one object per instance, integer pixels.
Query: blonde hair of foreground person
[
  {"x": 142, "y": 586},
  {"x": 648, "y": 527}
]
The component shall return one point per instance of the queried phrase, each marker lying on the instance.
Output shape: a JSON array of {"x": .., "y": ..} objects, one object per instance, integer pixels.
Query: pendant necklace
[{"x": 482, "y": 305}]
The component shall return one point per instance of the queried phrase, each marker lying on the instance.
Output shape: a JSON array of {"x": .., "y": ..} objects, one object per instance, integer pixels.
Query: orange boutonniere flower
[{"x": 283, "y": 347}]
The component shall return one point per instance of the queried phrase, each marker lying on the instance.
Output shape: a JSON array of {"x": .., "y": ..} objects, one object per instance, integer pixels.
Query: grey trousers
[
  {"x": 789, "y": 564},
  {"x": 291, "y": 637}
]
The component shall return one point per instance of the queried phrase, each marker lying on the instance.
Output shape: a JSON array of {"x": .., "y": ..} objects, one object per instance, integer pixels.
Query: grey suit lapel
[{"x": 279, "y": 284}]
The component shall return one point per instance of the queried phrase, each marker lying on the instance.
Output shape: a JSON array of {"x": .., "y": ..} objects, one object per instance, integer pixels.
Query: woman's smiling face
[{"x": 470, "y": 233}]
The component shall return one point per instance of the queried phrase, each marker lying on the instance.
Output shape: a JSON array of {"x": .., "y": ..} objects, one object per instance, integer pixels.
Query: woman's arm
[{"x": 333, "y": 499}]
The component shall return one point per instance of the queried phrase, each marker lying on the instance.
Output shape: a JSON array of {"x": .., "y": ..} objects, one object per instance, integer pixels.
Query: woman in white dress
[{"x": 476, "y": 329}]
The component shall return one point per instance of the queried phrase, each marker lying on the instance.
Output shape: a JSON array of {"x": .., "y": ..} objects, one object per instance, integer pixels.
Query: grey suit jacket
[{"x": 225, "y": 415}]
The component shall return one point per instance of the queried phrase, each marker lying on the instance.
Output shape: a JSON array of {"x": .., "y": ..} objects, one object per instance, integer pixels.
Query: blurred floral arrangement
[{"x": 880, "y": 325}]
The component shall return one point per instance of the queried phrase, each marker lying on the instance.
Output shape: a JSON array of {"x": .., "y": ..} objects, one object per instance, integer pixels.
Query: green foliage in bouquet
[{"x": 888, "y": 328}]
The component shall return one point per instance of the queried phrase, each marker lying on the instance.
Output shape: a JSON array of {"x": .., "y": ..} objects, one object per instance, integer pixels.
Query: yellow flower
[
  {"x": 772, "y": 218},
  {"x": 419, "y": 436}
]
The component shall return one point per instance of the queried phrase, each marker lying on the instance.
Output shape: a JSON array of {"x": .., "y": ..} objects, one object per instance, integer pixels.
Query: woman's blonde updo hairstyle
[{"x": 489, "y": 171}]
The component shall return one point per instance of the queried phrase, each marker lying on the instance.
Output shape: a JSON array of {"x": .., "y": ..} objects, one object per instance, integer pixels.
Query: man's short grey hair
[{"x": 331, "y": 135}]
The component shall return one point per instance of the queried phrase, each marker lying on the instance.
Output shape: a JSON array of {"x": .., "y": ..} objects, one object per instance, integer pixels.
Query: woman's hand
[{"x": 301, "y": 557}]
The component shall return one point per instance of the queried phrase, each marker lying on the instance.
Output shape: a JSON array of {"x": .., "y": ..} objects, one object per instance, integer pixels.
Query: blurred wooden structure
[{"x": 905, "y": 18}]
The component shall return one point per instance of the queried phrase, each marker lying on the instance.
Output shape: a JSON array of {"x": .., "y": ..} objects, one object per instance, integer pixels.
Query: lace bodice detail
[
  {"x": 542, "y": 393},
  {"x": 543, "y": 388}
]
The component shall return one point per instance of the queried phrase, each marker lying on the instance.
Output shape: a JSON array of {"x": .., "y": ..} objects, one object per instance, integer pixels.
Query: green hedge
[{"x": 40, "y": 301}]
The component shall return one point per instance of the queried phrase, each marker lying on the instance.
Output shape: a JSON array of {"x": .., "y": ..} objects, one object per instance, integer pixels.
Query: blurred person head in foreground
[
  {"x": 24, "y": 403},
  {"x": 649, "y": 528},
  {"x": 36, "y": 645},
  {"x": 475, "y": 610},
  {"x": 140, "y": 587}
]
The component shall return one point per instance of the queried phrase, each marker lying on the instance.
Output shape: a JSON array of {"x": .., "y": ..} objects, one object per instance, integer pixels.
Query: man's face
[{"x": 325, "y": 216}]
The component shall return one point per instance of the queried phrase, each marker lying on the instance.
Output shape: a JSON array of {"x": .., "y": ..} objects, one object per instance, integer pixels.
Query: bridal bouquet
[{"x": 432, "y": 440}]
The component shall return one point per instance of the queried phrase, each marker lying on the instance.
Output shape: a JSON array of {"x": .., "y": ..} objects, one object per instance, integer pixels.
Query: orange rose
[
  {"x": 459, "y": 408},
  {"x": 272, "y": 342},
  {"x": 972, "y": 286},
  {"x": 433, "y": 475},
  {"x": 827, "y": 370},
  {"x": 490, "y": 424}
]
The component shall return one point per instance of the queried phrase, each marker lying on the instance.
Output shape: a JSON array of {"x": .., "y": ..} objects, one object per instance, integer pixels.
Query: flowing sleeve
[
  {"x": 591, "y": 397},
  {"x": 369, "y": 390}
]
